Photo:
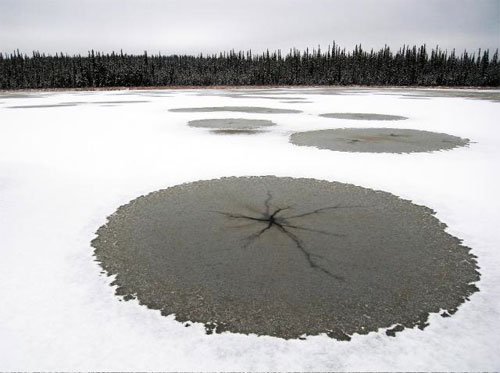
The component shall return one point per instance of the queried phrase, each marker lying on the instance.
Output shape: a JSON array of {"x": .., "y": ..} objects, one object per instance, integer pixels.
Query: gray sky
[{"x": 194, "y": 26}]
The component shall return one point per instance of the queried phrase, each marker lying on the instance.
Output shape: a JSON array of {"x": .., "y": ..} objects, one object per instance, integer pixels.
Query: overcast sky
[{"x": 194, "y": 26}]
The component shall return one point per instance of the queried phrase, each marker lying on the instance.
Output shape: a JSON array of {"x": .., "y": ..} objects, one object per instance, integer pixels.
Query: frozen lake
[{"x": 69, "y": 159}]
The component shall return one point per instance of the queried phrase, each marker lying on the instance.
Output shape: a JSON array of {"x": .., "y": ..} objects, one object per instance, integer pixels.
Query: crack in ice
[{"x": 282, "y": 224}]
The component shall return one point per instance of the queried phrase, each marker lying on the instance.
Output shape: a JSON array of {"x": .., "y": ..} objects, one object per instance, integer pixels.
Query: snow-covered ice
[{"x": 64, "y": 169}]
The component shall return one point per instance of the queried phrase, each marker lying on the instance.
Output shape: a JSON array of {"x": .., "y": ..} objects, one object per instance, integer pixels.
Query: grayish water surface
[{"x": 240, "y": 109}]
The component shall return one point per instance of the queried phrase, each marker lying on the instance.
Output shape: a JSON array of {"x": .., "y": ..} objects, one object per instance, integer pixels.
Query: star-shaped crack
[{"x": 276, "y": 220}]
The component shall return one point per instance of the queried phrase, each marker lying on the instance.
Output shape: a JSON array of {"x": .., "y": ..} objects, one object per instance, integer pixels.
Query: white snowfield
[{"x": 63, "y": 170}]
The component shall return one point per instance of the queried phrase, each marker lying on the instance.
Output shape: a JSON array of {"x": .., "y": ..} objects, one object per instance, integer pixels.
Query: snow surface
[{"x": 64, "y": 170}]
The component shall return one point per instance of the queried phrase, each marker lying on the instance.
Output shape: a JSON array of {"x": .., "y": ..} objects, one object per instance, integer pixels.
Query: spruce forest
[{"x": 409, "y": 66}]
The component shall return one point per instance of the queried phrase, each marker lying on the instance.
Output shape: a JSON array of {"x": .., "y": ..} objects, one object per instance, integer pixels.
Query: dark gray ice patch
[
  {"x": 104, "y": 103},
  {"x": 19, "y": 95},
  {"x": 236, "y": 132},
  {"x": 152, "y": 93},
  {"x": 377, "y": 140},
  {"x": 162, "y": 96},
  {"x": 362, "y": 116},
  {"x": 285, "y": 257},
  {"x": 231, "y": 123},
  {"x": 493, "y": 96},
  {"x": 414, "y": 98},
  {"x": 119, "y": 102},
  {"x": 264, "y": 97},
  {"x": 66, "y": 104},
  {"x": 240, "y": 109}
]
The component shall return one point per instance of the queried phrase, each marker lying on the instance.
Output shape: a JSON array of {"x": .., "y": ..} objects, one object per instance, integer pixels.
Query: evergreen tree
[{"x": 409, "y": 66}]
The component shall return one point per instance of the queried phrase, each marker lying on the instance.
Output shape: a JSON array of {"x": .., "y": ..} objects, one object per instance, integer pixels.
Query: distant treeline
[{"x": 409, "y": 66}]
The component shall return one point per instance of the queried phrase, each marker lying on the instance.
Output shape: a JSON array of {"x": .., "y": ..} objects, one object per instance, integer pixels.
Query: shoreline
[{"x": 236, "y": 87}]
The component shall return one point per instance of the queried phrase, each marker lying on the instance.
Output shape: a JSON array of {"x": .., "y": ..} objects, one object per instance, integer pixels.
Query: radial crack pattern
[
  {"x": 281, "y": 223},
  {"x": 285, "y": 257}
]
